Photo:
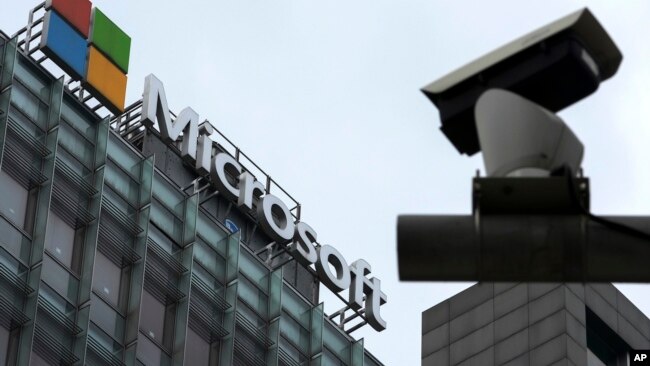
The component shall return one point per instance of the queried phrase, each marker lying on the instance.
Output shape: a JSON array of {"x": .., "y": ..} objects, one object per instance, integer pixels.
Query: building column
[
  {"x": 132, "y": 322},
  {"x": 316, "y": 332},
  {"x": 185, "y": 281},
  {"x": 40, "y": 222},
  {"x": 275, "y": 312},
  {"x": 90, "y": 239}
]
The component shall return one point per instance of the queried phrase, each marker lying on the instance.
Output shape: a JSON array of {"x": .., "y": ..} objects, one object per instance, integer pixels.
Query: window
[
  {"x": 210, "y": 259},
  {"x": 30, "y": 104},
  {"x": 166, "y": 219},
  {"x": 64, "y": 283},
  {"x": 157, "y": 320},
  {"x": 14, "y": 198},
  {"x": 107, "y": 279},
  {"x": 122, "y": 182},
  {"x": 37, "y": 82},
  {"x": 14, "y": 242},
  {"x": 294, "y": 333},
  {"x": 152, "y": 316},
  {"x": 148, "y": 353},
  {"x": 123, "y": 154},
  {"x": 59, "y": 239},
  {"x": 4, "y": 345},
  {"x": 76, "y": 144},
  {"x": 8, "y": 346},
  {"x": 252, "y": 295},
  {"x": 197, "y": 351},
  {"x": 79, "y": 119},
  {"x": 106, "y": 318}
]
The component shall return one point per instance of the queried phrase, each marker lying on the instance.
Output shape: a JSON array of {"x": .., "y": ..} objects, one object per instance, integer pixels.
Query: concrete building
[
  {"x": 111, "y": 255},
  {"x": 533, "y": 324}
]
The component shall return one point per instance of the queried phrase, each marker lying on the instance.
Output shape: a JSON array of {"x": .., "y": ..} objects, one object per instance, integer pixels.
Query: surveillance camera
[
  {"x": 520, "y": 138},
  {"x": 554, "y": 66}
]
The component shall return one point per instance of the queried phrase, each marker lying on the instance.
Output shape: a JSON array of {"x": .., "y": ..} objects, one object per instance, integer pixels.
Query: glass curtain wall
[{"x": 105, "y": 261}]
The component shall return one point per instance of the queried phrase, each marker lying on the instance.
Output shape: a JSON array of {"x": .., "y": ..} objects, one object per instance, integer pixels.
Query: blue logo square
[{"x": 61, "y": 42}]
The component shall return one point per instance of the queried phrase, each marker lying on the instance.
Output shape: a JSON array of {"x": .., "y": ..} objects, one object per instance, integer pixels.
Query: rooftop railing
[
  {"x": 128, "y": 124},
  {"x": 130, "y": 127},
  {"x": 29, "y": 39}
]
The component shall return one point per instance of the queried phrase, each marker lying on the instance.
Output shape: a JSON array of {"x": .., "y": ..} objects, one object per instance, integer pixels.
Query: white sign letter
[
  {"x": 219, "y": 175},
  {"x": 247, "y": 188},
  {"x": 303, "y": 246},
  {"x": 154, "y": 107},
  {"x": 338, "y": 281},
  {"x": 281, "y": 229}
]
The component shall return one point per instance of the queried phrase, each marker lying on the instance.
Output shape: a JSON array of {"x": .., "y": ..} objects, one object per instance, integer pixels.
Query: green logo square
[{"x": 110, "y": 40}]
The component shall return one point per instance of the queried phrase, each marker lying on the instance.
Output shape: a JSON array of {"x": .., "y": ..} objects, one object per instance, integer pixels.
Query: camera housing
[
  {"x": 553, "y": 66},
  {"x": 520, "y": 138}
]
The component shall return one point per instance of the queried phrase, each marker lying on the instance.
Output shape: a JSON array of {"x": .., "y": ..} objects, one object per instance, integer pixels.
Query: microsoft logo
[{"x": 87, "y": 45}]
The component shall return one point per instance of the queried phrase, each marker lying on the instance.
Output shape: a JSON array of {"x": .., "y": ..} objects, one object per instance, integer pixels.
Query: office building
[
  {"x": 534, "y": 324},
  {"x": 112, "y": 252}
]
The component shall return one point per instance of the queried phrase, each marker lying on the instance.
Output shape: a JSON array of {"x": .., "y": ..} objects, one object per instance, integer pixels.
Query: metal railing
[
  {"x": 29, "y": 39},
  {"x": 51, "y": 349},
  {"x": 129, "y": 126},
  {"x": 106, "y": 357}
]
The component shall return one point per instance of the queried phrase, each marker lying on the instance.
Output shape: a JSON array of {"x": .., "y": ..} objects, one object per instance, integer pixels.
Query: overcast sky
[{"x": 324, "y": 95}]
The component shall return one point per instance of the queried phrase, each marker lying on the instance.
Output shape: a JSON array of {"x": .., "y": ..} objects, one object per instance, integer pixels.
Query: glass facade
[{"x": 104, "y": 260}]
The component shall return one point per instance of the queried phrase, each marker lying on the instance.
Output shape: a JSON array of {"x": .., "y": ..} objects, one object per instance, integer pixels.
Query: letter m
[{"x": 154, "y": 107}]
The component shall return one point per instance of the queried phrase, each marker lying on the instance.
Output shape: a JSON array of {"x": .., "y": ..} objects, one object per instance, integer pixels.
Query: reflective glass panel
[
  {"x": 59, "y": 239},
  {"x": 60, "y": 279},
  {"x": 197, "y": 351},
  {"x": 106, "y": 281},
  {"x": 148, "y": 353},
  {"x": 82, "y": 122},
  {"x": 106, "y": 317},
  {"x": 152, "y": 317},
  {"x": 29, "y": 104},
  {"x": 36, "y": 82},
  {"x": 14, "y": 199}
]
